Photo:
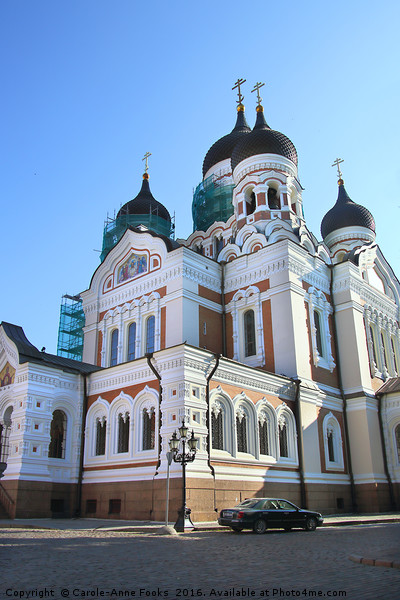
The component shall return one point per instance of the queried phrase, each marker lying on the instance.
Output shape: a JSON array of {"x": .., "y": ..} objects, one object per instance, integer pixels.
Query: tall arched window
[
  {"x": 283, "y": 437},
  {"x": 114, "y": 348},
  {"x": 123, "y": 432},
  {"x": 263, "y": 433},
  {"x": 5, "y": 430},
  {"x": 383, "y": 351},
  {"x": 395, "y": 357},
  {"x": 101, "y": 425},
  {"x": 150, "y": 333},
  {"x": 149, "y": 429},
  {"x": 273, "y": 199},
  {"x": 397, "y": 437},
  {"x": 371, "y": 331},
  {"x": 132, "y": 342},
  {"x": 250, "y": 203},
  {"x": 57, "y": 434},
  {"x": 249, "y": 333},
  {"x": 318, "y": 333},
  {"x": 331, "y": 444},
  {"x": 217, "y": 430},
  {"x": 241, "y": 430}
]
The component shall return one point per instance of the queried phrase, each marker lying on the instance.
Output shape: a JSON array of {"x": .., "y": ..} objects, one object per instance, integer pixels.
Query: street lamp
[{"x": 183, "y": 521}]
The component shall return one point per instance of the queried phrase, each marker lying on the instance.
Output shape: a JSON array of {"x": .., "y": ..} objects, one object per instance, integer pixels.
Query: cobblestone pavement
[{"x": 204, "y": 564}]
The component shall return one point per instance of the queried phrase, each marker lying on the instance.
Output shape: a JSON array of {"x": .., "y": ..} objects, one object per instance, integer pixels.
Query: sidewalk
[{"x": 152, "y": 526}]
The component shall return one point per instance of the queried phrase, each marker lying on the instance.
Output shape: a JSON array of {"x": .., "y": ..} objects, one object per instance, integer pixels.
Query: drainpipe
[
  {"x": 149, "y": 356},
  {"x": 340, "y": 381},
  {"x": 223, "y": 263},
  {"x": 78, "y": 509},
  {"x": 215, "y": 367},
  {"x": 384, "y": 452},
  {"x": 300, "y": 443}
]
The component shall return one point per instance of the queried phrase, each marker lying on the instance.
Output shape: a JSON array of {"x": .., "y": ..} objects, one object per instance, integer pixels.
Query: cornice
[{"x": 367, "y": 294}]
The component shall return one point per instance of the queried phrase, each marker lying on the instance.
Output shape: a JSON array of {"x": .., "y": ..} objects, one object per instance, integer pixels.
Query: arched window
[
  {"x": 101, "y": 425},
  {"x": 383, "y": 351},
  {"x": 241, "y": 430},
  {"x": 318, "y": 333},
  {"x": 250, "y": 201},
  {"x": 150, "y": 334},
  {"x": 283, "y": 437},
  {"x": 219, "y": 244},
  {"x": 331, "y": 444},
  {"x": 114, "y": 348},
  {"x": 132, "y": 342},
  {"x": 5, "y": 430},
  {"x": 123, "y": 432},
  {"x": 371, "y": 331},
  {"x": 264, "y": 438},
  {"x": 217, "y": 430},
  {"x": 249, "y": 333},
  {"x": 149, "y": 429},
  {"x": 397, "y": 437},
  {"x": 395, "y": 356},
  {"x": 57, "y": 434},
  {"x": 273, "y": 199}
]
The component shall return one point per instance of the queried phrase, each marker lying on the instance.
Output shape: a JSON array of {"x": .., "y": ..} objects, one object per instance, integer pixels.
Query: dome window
[
  {"x": 273, "y": 199},
  {"x": 250, "y": 199}
]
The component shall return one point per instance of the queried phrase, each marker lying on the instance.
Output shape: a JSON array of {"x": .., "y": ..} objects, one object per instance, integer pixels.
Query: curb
[{"x": 375, "y": 562}]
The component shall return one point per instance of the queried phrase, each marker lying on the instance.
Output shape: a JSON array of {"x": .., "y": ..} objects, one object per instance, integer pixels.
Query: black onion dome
[
  {"x": 263, "y": 140},
  {"x": 222, "y": 149},
  {"x": 144, "y": 204},
  {"x": 346, "y": 213}
]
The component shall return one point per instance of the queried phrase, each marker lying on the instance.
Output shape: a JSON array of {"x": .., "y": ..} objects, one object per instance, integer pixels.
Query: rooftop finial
[
  {"x": 336, "y": 163},
  {"x": 241, "y": 98},
  {"x": 257, "y": 88},
  {"x": 146, "y": 168}
]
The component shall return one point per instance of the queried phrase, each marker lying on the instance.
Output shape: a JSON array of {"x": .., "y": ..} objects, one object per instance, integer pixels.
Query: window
[
  {"x": 131, "y": 342},
  {"x": 273, "y": 199},
  {"x": 114, "y": 506},
  {"x": 101, "y": 436},
  {"x": 250, "y": 201},
  {"x": 123, "y": 432},
  {"x": 331, "y": 448},
  {"x": 219, "y": 244},
  {"x": 371, "y": 333},
  {"x": 397, "y": 438},
  {"x": 321, "y": 346},
  {"x": 332, "y": 443},
  {"x": 264, "y": 438},
  {"x": 5, "y": 430},
  {"x": 241, "y": 431},
  {"x": 150, "y": 334},
  {"x": 114, "y": 348},
  {"x": 317, "y": 324},
  {"x": 394, "y": 354},
  {"x": 57, "y": 435},
  {"x": 249, "y": 333},
  {"x": 149, "y": 429},
  {"x": 217, "y": 430},
  {"x": 283, "y": 437}
]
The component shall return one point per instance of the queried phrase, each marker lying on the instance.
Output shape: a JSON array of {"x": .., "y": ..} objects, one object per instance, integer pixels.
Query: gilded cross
[
  {"x": 146, "y": 158},
  {"x": 336, "y": 163},
  {"x": 257, "y": 87},
  {"x": 237, "y": 85}
]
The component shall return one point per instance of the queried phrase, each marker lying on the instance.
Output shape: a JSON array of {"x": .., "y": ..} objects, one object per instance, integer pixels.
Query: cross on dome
[
  {"x": 257, "y": 88},
  {"x": 336, "y": 163},
  {"x": 146, "y": 157},
  {"x": 237, "y": 85}
]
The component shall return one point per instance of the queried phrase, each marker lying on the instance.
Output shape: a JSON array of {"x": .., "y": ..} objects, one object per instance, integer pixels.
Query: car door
[
  {"x": 288, "y": 514},
  {"x": 272, "y": 514}
]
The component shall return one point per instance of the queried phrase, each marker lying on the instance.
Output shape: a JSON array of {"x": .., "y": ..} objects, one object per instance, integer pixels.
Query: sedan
[{"x": 260, "y": 514}]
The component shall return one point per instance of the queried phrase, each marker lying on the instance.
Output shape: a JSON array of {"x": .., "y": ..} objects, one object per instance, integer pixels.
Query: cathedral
[{"x": 279, "y": 350}]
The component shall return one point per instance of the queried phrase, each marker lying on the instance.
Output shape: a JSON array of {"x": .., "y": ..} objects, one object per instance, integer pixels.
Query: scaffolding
[
  {"x": 70, "y": 330},
  {"x": 211, "y": 202},
  {"x": 114, "y": 229}
]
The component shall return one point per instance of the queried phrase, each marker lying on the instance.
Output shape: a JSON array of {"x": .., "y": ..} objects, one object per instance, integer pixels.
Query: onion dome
[
  {"x": 346, "y": 213},
  {"x": 222, "y": 149},
  {"x": 144, "y": 204},
  {"x": 263, "y": 140}
]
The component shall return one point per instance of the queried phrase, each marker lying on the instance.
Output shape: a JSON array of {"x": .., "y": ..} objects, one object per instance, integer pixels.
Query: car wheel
[
  {"x": 311, "y": 524},
  {"x": 237, "y": 529},
  {"x": 260, "y": 526}
]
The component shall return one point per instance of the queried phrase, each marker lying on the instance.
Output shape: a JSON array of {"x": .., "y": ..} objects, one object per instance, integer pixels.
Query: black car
[{"x": 260, "y": 514}]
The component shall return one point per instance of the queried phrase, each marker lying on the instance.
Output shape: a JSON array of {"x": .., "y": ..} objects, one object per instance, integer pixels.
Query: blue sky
[{"x": 90, "y": 86}]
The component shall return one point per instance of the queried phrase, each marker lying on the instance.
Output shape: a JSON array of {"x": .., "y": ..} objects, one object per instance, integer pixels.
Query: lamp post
[{"x": 183, "y": 521}]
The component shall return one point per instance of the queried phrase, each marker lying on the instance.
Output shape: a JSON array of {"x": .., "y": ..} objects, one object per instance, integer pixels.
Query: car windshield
[{"x": 249, "y": 503}]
